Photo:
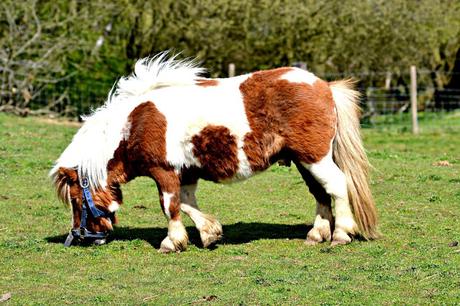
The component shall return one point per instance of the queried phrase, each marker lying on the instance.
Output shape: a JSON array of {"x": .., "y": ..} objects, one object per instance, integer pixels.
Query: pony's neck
[{"x": 119, "y": 170}]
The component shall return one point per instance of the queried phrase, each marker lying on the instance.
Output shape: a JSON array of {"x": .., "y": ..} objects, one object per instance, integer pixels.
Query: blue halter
[{"x": 83, "y": 233}]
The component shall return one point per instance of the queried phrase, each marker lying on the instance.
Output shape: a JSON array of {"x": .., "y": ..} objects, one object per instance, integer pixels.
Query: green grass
[
  {"x": 428, "y": 121},
  {"x": 262, "y": 259}
]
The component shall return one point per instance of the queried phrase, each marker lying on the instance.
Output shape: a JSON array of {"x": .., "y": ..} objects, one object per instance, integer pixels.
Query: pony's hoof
[
  {"x": 177, "y": 238},
  {"x": 211, "y": 233},
  {"x": 340, "y": 238},
  {"x": 168, "y": 246},
  {"x": 313, "y": 237},
  {"x": 209, "y": 239},
  {"x": 319, "y": 234}
]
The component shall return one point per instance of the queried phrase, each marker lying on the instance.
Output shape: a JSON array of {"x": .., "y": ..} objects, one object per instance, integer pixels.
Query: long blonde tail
[{"x": 350, "y": 156}]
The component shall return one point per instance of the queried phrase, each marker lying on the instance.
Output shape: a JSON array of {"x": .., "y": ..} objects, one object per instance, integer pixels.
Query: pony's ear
[{"x": 70, "y": 174}]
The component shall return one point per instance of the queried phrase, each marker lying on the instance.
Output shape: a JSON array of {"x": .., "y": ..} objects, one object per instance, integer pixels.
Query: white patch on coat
[
  {"x": 328, "y": 174},
  {"x": 333, "y": 180},
  {"x": 244, "y": 168},
  {"x": 73, "y": 218},
  {"x": 113, "y": 206},
  {"x": 167, "y": 203},
  {"x": 188, "y": 205},
  {"x": 195, "y": 214},
  {"x": 297, "y": 75},
  {"x": 126, "y": 131},
  {"x": 190, "y": 109},
  {"x": 176, "y": 231},
  {"x": 187, "y": 107},
  {"x": 96, "y": 141}
]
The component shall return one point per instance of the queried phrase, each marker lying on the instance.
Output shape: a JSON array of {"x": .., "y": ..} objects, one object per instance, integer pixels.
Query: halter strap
[
  {"x": 96, "y": 212},
  {"x": 83, "y": 232}
]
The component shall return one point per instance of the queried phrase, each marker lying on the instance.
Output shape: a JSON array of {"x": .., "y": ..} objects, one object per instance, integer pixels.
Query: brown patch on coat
[
  {"x": 143, "y": 153},
  {"x": 300, "y": 114},
  {"x": 119, "y": 170},
  {"x": 174, "y": 205},
  {"x": 261, "y": 147},
  {"x": 206, "y": 82},
  {"x": 167, "y": 181},
  {"x": 146, "y": 153},
  {"x": 216, "y": 149},
  {"x": 146, "y": 145}
]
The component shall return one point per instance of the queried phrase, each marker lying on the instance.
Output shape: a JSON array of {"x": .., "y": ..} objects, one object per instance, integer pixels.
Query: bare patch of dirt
[
  {"x": 442, "y": 163},
  {"x": 64, "y": 122},
  {"x": 5, "y": 297}
]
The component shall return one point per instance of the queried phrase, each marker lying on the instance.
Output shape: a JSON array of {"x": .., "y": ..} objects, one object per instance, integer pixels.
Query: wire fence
[
  {"x": 388, "y": 106},
  {"x": 384, "y": 107},
  {"x": 71, "y": 98}
]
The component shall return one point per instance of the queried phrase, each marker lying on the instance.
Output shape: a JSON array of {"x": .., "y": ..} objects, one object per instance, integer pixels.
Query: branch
[
  {"x": 8, "y": 108},
  {"x": 11, "y": 22},
  {"x": 36, "y": 35},
  {"x": 56, "y": 80}
]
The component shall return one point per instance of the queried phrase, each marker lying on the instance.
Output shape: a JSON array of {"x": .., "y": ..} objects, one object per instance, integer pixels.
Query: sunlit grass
[{"x": 262, "y": 259}]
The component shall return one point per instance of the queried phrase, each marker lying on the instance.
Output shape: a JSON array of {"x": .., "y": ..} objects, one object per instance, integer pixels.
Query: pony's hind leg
[
  {"x": 169, "y": 190},
  {"x": 321, "y": 230},
  {"x": 333, "y": 180},
  {"x": 324, "y": 219},
  {"x": 210, "y": 229}
]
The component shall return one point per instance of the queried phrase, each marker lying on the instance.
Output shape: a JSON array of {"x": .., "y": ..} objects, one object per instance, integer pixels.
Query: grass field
[{"x": 262, "y": 259}]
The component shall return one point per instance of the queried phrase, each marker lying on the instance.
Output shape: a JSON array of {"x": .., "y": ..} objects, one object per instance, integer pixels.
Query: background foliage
[{"x": 46, "y": 45}]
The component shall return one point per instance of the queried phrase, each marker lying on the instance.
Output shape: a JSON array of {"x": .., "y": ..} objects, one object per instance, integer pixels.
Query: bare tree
[{"x": 37, "y": 42}]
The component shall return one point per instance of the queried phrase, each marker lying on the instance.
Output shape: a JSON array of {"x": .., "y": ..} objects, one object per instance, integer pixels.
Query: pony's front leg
[
  {"x": 169, "y": 190},
  {"x": 210, "y": 229}
]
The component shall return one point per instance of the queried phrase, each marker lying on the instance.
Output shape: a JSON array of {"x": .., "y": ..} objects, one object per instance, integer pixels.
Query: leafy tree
[{"x": 48, "y": 46}]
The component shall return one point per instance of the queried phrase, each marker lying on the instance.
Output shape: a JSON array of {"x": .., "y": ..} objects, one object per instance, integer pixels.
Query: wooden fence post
[
  {"x": 388, "y": 80},
  {"x": 413, "y": 99},
  {"x": 231, "y": 70}
]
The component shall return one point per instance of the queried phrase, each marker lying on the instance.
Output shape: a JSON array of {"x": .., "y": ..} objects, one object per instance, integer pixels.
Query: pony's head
[{"x": 93, "y": 209}]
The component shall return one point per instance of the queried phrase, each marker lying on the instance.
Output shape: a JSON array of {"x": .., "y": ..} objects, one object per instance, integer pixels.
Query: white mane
[{"x": 96, "y": 141}]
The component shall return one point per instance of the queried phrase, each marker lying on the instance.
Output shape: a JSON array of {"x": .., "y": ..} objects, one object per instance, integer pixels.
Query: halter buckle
[{"x": 84, "y": 183}]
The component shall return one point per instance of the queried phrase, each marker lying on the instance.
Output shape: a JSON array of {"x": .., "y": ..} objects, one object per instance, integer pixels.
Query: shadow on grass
[{"x": 237, "y": 233}]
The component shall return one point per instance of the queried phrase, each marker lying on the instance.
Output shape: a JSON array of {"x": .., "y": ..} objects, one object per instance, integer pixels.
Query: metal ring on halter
[{"x": 84, "y": 183}]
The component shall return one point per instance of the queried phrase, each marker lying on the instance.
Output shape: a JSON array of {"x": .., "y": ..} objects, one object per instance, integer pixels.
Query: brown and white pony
[{"x": 168, "y": 123}]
